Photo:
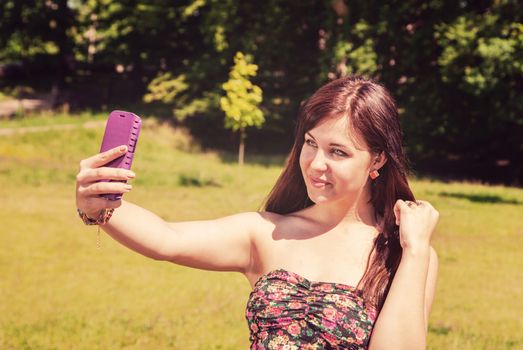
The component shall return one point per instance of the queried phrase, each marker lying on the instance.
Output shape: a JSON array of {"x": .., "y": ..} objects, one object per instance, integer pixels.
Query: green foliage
[
  {"x": 460, "y": 100},
  {"x": 454, "y": 67},
  {"x": 25, "y": 30},
  {"x": 242, "y": 97},
  {"x": 165, "y": 89},
  {"x": 192, "y": 8},
  {"x": 480, "y": 52},
  {"x": 351, "y": 58},
  {"x": 173, "y": 91}
]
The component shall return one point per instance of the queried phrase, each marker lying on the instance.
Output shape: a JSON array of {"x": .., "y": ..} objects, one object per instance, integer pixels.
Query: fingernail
[
  {"x": 122, "y": 148},
  {"x": 131, "y": 174}
]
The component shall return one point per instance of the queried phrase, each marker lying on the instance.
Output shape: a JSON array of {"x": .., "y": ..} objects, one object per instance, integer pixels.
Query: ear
[{"x": 378, "y": 160}]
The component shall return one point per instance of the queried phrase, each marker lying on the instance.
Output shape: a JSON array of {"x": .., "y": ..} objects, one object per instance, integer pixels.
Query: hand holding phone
[{"x": 122, "y": 128}]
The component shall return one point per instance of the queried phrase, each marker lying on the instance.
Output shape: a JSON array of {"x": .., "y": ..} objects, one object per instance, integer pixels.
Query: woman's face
[{"x": 334, "y": 162}]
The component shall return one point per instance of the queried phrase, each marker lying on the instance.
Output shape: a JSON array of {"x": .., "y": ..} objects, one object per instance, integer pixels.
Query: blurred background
[
  {"x": 220, "y": 82},
  {"x": 455, "y": 67}
]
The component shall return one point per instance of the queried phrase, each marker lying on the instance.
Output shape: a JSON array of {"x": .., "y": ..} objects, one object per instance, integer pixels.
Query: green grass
[
  {"x": 48, "y": 118},
  {"x": 58, "y": 291}
]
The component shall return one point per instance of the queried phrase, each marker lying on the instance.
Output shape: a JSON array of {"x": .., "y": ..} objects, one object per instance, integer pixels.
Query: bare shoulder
[
  {"x": 255, "y": 219},
  {"x": 277, "y": 224},
  {"x": 266, "y": 222},
  {"x": 257, "y": 224},
  {"x": 266, "y": 242},
  {"x": 272, "y": 229},
  {"x": 268, "y": 227}
]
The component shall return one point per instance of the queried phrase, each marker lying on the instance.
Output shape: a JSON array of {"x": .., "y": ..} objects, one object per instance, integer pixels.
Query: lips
[{"x": 318, "y": 183}]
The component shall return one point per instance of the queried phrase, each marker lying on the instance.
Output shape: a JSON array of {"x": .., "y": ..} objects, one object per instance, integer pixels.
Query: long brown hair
[{"x": 372, "y": 113}]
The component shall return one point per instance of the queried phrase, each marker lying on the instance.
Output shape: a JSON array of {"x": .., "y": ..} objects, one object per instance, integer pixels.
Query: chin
[{"x": 318, "y": 198}]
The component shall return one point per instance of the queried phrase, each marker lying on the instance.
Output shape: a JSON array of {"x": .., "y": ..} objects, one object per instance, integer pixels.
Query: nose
[{"x": 319, "y": 162}]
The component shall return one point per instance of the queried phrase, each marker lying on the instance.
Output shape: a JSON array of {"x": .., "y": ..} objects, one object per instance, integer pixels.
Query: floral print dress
[{"x": 288, "y": 312}]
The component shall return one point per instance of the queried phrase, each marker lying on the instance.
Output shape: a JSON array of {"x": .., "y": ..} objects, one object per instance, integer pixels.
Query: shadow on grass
[
  {"x": 480, "y": 198},
  {"x": 197, "y": 180},
  {"x": 440, "y": 330}
]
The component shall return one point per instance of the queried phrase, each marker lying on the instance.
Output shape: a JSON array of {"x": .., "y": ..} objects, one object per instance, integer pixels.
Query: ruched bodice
[{"x": 287, "y": 311}]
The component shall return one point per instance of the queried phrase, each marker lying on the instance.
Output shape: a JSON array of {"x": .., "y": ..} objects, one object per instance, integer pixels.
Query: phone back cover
[{"x": 123, "y": 128}]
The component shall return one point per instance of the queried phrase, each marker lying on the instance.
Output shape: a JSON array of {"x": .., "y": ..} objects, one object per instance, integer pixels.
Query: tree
[
  {"x": 455, "y": 67},
  {"x": 241, "y": 102},
  {"x": 37, "y": 33},
  {"x": 173, "y": 91}
]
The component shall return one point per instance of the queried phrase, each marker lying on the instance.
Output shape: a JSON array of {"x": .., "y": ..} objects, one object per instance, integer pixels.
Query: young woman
[{"x": 340, "y": 258}]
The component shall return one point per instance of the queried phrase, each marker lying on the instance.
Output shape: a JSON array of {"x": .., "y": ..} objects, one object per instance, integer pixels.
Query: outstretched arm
[
  {"x": 402, "y": 322},
  {"x": 222, "y": 244}
]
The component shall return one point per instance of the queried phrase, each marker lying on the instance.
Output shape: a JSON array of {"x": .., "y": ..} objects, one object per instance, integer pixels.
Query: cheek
[
  {"x": 362, "y": 171},
  {"x": 354, "y": 176},
  {"x": 305, "y": 158}
]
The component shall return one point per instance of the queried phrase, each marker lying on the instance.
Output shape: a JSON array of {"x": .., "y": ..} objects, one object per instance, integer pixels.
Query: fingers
[
  {"x": 105, "y": 173},
  {"x": 434, "y": 214},
  {"x": 404, "y": 206},
  {"x": 397, "y": 210},
  {"x": 421, "y": 205},
  {"x": 104, "y": 187},
  {"x": 94, "y": 180},
  {"x": 411, "y": 204},
  {"x": 103, "y": 158},
  {"x": 89, "y": 200}
]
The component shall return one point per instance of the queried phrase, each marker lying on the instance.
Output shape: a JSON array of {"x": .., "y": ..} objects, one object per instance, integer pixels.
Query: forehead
[{"x": 338, "y": 130}]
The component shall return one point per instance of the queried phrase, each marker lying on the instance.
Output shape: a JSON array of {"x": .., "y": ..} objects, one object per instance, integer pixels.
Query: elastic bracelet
[{"x": 102, "y": 219}]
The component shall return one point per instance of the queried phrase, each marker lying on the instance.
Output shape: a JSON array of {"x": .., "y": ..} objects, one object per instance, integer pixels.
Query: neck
[{"x": 355, "y": 210}]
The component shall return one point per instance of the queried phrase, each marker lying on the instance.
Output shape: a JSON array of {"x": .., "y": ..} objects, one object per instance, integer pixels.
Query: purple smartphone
[{"x": 122, "y": 128}]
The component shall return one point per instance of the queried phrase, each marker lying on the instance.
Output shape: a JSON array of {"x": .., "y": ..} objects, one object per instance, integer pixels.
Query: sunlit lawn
[{"x": 58, "y": 291}]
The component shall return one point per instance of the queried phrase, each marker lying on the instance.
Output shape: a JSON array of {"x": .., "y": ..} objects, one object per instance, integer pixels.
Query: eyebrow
[{"x": 330, "y": 144}]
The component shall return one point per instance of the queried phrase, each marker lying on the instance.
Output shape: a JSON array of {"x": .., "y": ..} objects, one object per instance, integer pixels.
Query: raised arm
[
  {"x": 222, "y": 244},
  {"x": 403, "y": 320}
]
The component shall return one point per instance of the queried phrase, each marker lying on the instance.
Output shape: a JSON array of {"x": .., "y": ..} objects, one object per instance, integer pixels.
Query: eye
[
  {"x": 310, "y": 142},
  {"x": 338, "y": 152}
]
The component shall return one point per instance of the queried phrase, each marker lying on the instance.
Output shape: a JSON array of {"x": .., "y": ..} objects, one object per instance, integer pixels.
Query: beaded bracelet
[{"x": 102, "y": 219}]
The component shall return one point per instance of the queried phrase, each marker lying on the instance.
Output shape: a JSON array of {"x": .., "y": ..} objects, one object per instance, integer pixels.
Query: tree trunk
[{"x": 241, "y": 150}]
